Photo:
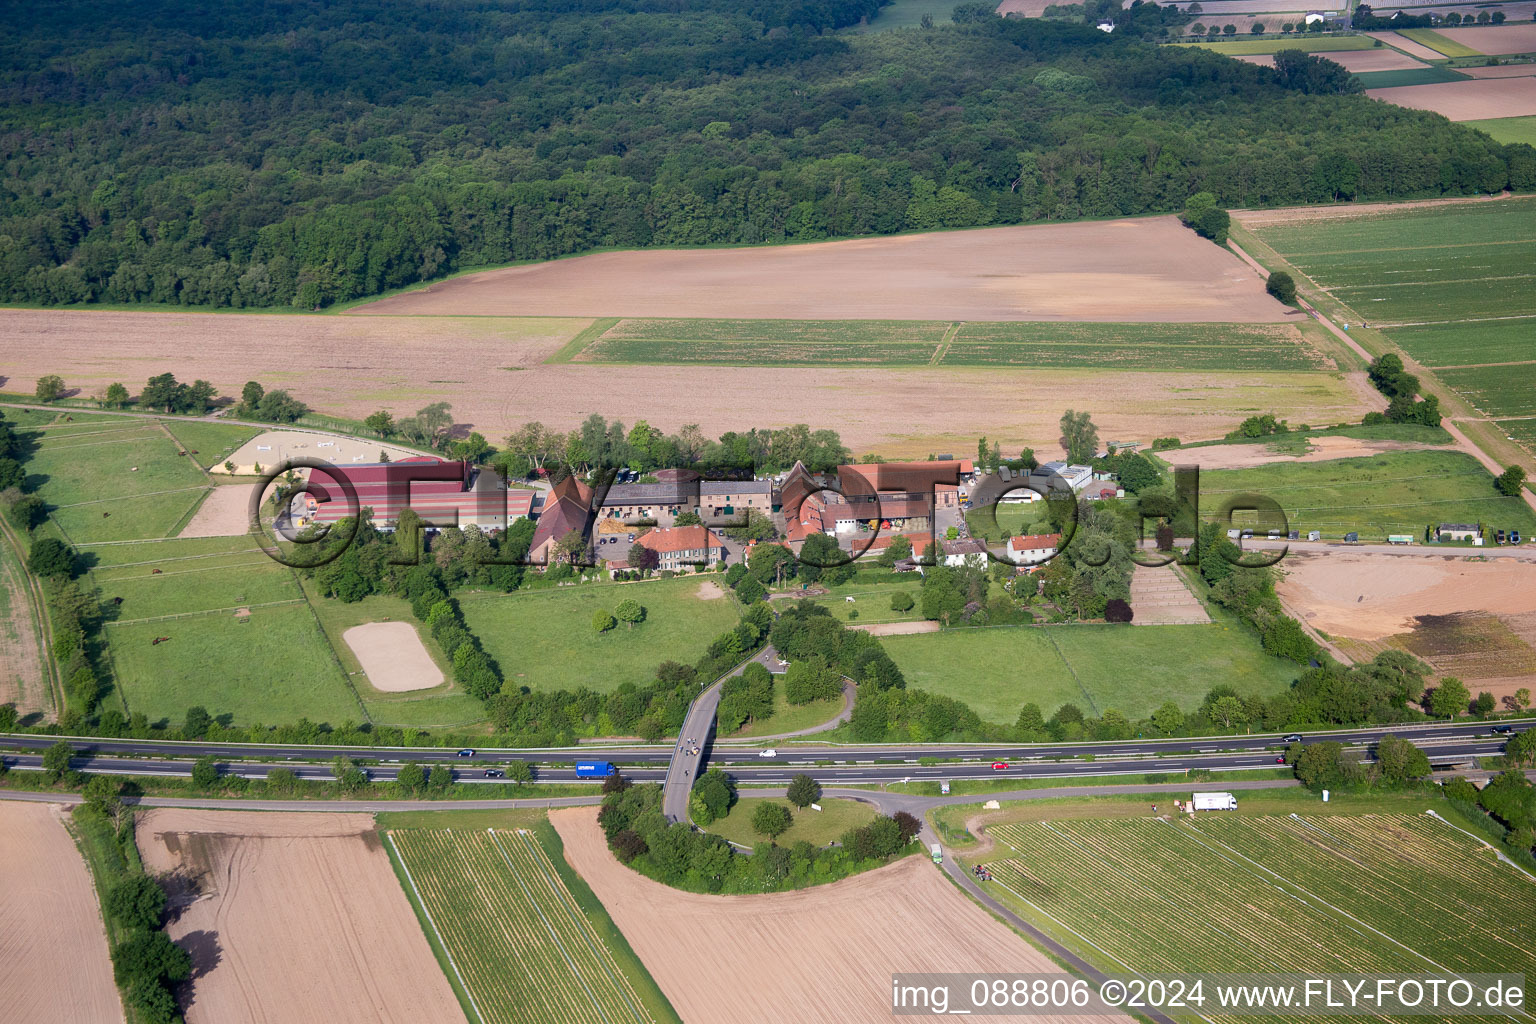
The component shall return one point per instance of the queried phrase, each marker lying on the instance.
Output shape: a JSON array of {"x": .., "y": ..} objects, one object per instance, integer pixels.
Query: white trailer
[{"x": 1215, "y": 802}]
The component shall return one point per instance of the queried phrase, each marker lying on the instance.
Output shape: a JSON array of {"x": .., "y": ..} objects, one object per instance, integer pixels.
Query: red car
[
  {"x": 999, "y": 766},
  {"x": 1280, "y": 760}
]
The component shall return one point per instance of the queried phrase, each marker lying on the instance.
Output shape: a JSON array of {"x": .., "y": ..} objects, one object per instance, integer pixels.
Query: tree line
[{"x": 292, "y": 154}]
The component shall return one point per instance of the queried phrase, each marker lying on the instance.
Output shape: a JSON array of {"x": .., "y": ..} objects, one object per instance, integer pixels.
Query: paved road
[
  {"x": 630, "y": 754},
  {"x": 688, "y": 755}
]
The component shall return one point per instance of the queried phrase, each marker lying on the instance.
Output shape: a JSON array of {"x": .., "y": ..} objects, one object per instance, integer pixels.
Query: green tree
[
  {"x": 1325, "y": 765},
  {"x": 602, "y": 621},
  {"x": 440, "y": 778},
  {"x": 205, "y": 773},
  {"x": 520, "y": 771},
  {"x": 901, "y": 601},
  {"x": 197, "y": 723},
  {"x": 56, "y": 760},
  {"x": 1511, "y": 481},
  {"x": 1400, "y": 760},
  {"x": 1079, "y": 437},
  {"x": 630, "y": 612},
  {"x": 411, "y": 777},
  {"x": 250, "y": 397},
  {"x": 1450, "y": 698},
  {"x": 50, "y": 388},
  {"x": 1484, "y": 704},
  {"x": 803, "y": 790},
  {"x": 51, "y": 557},
  {"x": 137, "y": 901},
  {"x": 1282, "y": 286},
  {"x": 771, "y": 819},
  {"x": 116, "y": 395},
  {"x": 1031, "y": 720},
  {"x": 380, "y": 423}
]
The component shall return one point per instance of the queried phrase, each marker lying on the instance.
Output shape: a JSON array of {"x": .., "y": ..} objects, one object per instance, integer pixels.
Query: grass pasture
[
  {"x": 274, "y": 667},
  {"x": 1131, "y": 669},
  {"x": 526, "y": 949},
  {"x": 1307, "y": 44},
  {"x": 1439, "y": 43},
  {"x": 1391, "y": 893},
  {"x": 207, "y": 442},
  {"x": 1508, "y": 129},
  {"x": 1523, "y": 431},
  {"x": 543, "y": 639},
  {"x": 196, "y": 587},
  {"x": 1430, "y": 75},
  {"x": 1134, "y": 346},
  {"x": 1390, "y": 492},
  {"x": 815, "y": 827},
  {"x": 1497, "y": 390}
]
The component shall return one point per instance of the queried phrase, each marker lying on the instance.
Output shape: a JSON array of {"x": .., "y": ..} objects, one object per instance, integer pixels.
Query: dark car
[
  {"x": 1294, "y": 737},
  {"x": 1504, "y": 730},
  {"x": 495, "y": 773},
  {"x": 466, "y": 752}
]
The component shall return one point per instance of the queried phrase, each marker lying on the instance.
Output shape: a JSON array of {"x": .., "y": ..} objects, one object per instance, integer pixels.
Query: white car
[{"x": 770, "y": 752}]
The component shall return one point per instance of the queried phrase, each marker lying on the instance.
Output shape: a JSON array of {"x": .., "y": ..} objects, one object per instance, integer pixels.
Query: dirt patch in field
[
  {"x": 1466, "y": 101},
  {"x": 397, "y": 362},
  {"x": 393, "y": 656},
  {"x": 22, "y": 681},
  {"x": 1148, "y": 269},
  {"x": 293, "y": 917},
  {"x": 1024, "y": 8},
  {"x": 820, "y": 954},
  {"x": 895, "y": 628},
  {"x": 1370, "y": 597},
  {"x": 267, "y": 450},
  {"x": 54, "y": 967},
  {"x": 1255, "y": 219},
  {"x": 709, "y": 590},
  {"x": 1321, "y": 449},
  {"x": 1495, "y": 39},
  {"x": 1381, "y": 59},
  {"x": 224, "y": 513}
]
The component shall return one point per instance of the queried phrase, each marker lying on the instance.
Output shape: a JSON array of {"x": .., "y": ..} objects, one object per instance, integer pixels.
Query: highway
[
  {"x": 852, "y": 772},
  {"x": 661, "y": 754}
]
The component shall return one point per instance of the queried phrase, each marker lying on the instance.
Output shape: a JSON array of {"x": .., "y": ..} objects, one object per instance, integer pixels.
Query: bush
[
  {"x": 1117, "y": 610},
  {"x": 803, "y": 791},
  {"x": 771, "y": 820},
  {"x": 901, "y": 601},
  {"x": 136, "y": 902},
  {"x": 1282, "y": 286}
]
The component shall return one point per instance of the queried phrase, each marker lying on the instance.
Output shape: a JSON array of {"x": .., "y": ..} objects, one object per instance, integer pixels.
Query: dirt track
[
  {"x": 295, "y": 917},
  {"x": 53, "y": 948},
  {"x": 1368, "y": 598},
  {"x": 1148, "y": 269},
  {"x": 821, "y": 954}
]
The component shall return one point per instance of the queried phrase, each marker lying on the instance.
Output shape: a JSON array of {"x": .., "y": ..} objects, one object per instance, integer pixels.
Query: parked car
[
  {"x": 770, "y": 752},
  {"x": 999, "y": 766},
  {"x": 494, "y": 773},
  {"x": 466, "y": 752}
]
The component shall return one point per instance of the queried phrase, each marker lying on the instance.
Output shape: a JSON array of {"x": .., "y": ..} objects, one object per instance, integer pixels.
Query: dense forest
[{"x": 300, "y": 152}]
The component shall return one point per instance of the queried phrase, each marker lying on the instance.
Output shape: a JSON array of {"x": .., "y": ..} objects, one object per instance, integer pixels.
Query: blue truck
[{"x": 595, "y": 769}]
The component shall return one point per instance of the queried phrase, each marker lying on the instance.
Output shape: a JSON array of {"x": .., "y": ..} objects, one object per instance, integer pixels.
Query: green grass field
[
  {"x": 789, "y": 717},
  {"x": 815, "y": 827},
  {"x": 1305, "y": 43},
  {"x": 996, "y": 523},
  {"x": 1391, "y": 492},
  {"x": 223, "y": 550},
  {"x": 1210, "y": 346},
  {"x": 1431, "y": 75},
  {"x": 908, "y": 14},
  {"x": 525, "y": 947},
  {"x": 1439, "y": 43},
  {"x": 873, "y": 601},
  {"x": 1131, "y": 669},
  {"x": 1523, "y": 431},
  {"x": 544, "y": 640},
  {"x": 213, "y": 443},
  {"x": 273, "y": 668},
  {"x": 1461, "y": 344},
  {"x": 1442, "y": 264},
  {"x": 195, "y": 586},
  {"x": 1508, "y": 129},
  {"x": 1398, "y": 893},
  {"x": 1497, "y": 390}
]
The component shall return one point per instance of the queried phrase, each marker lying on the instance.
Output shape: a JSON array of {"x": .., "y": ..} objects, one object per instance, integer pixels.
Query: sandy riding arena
[
  {"x": 269, "y": 449},
  {"x": 1371, "y": 596},
  {"x": 1149, "y": 269},
  {"x": 1466, "y": 101},
  {"x": 53, "y": 949},
  {"x": 224, "y": 513},
  {"x": 293, "y": 917},
  {"x": 822, "y": 954},
  {"x": 393, "y": 657}
]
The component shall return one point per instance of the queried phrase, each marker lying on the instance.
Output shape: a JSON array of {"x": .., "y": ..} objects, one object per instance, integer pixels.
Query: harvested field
[
  {"x": 1466, "y": 101},
  {"x": 50, "y": 923},
  {"x": 1023, "y": 8},
  {"x": 1381, "y": 59},
  {"x": 369, "y": 362},
  {"x": 1321, "y": 449},
  {"x": 224, "y": 513},
  {"x": 818, "y": 954},
  {"x": 270, "y": 448},
  {"x": 1470, "y": 645},
  {"x": 1370, "y": 597},
  {"x": 1233, "y": 47},
  {"x": 1407, "y": 45},
  {"x": 1160, "y": 597},
  {"x": 1495, "y": 39},
  {"x": 293, "y": 917},
  {"x": 1501, "y": 71},
  {"x": 393, "y": 657},
  {"x": 1258, "y": 219},
  {"x": 22, "y": 681},
  {"x": 1148, "y": 269}
]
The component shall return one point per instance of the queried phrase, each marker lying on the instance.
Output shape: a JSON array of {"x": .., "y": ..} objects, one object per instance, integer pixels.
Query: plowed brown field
[
  {"x": 821, "y": 954},
  {"x": 53, "y": 949},
  {"x": 293, "y": 917}
]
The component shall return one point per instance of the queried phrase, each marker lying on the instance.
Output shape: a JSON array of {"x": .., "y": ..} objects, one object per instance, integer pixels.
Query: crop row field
[
  {"x": 1497, "y": 390},
  {"x": 1390, "y": 492},
  {"x": 1145, "y": 346},
  {"x": 1372, "y": 893},
  {"x": 1469, "y": 342},
  {"x": 513, "y": 932},
  {"x": 1307, "y": 44}
]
